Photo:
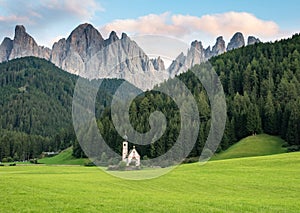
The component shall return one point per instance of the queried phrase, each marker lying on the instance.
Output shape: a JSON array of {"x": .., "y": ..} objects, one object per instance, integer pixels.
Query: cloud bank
[
  {"x": 47, "y": 16},
  {"x": 183, "y": 26}
]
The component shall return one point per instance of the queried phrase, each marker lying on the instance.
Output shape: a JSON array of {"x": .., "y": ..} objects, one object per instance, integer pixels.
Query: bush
[
  {"x": 34, "y": 161},
  {"x": 191, "y": 160},
  {"x": 132, "y": 163},
  {"x": 89, "y": 163},
  {"x": 10, "y": 159},
  {"x": 12, "y": 164},
  {"x": 122, "y": 165},
  {"x": 165, "y": 163},
  {"x": 206, "y": 154},
  {"x": 293, "y": 148},
  {"x": 114, "y": 161},
  {"x": 285, "y": 145},
  {"x": 145, "y": 162},
  {"x": 4, "y": 160},
  {"x": 1, "y": 164}
]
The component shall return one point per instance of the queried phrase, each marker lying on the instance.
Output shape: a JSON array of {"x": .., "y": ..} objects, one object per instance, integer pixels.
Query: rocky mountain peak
[
  {"x": 219, "y": 47},
  {"x": 197, "y": 45},
  {"x": 86, "y": 32},
  {"x": 158, "y": 64},
  {"x": 113, "y": 37},
  {"x": 85, "y": 40},
  {"x": 252, "y": 40},
  {"x": 5, "y": 49},
  {"x": 20, "y": 31},
  {"x": 22, "y": 37},
  {"x": 236, "y": 41},
  {"x": 124, "y": 36},
  {"x": 24, "y": 45},
  {"x": 87, "y": 54}
]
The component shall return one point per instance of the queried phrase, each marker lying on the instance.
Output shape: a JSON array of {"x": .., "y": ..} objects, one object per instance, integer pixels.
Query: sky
[{"x": 187, "y": 20}]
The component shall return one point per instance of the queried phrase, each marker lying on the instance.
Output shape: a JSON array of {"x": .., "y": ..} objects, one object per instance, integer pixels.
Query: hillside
[
  {"x": 261, "y": 83},
  {"x": 258, "y": 184},
  {"x": 63, "y": 158},
  {"x": 36, "y": 101},
  {"x": 258, "y": 145}
]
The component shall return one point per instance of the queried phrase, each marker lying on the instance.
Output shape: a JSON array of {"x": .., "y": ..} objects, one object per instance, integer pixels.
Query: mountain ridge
[{"x": 86, "y": 53}]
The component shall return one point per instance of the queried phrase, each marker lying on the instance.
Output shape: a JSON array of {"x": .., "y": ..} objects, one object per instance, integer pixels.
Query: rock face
[
  {"x": 237, "y": 41},
  {"x": 219, "y": 47},
  {"x": 86, "y": 53},
  {"x": 178, "y": 65},
  {"x": 5, "y": 49},
  {"x": 252, "y": 40},
  {"x": 196, "y": 54},
  {"x": 24, "y": 45},
  {"x": 72, "y": 53},
  {"x": 158, "y": 64}
]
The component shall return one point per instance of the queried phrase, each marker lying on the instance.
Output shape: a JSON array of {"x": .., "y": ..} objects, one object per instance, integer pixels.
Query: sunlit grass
[
  {"x": 258, "y": 145},
  {"x": 257, "y": 184}
]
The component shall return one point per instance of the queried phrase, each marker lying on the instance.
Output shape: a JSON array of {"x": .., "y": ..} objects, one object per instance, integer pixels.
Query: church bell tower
[{"x": 124, "y": 149}]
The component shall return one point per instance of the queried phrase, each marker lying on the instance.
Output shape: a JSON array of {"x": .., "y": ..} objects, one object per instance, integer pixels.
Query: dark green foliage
[
  {"x": 261, "y": 83},
  {"x": 36, "y": 106}
]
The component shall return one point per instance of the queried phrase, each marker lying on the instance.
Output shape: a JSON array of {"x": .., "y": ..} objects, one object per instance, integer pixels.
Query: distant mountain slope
[
  {"x": 36, "y": 106},
  {"x": 262, "y": 87},
  {"x": 86, "y": 53},
  {"x": 36, "y": 96}
]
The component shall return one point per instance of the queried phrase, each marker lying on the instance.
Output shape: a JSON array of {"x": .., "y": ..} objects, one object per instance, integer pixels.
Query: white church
[{"x": 133, "y": 155}]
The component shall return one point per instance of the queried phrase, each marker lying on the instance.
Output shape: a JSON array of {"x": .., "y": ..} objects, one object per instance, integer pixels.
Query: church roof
[{"x": 134, "y": 151}]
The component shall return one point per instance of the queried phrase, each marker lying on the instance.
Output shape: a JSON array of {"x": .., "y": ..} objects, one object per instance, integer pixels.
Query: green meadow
[
  {"x": 63, "y": 158},
  {"x": 256, "y": 184},
  {"x": 258, "y": 145}
]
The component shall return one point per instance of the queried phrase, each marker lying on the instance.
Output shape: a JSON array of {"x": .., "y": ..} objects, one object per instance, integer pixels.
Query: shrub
[
  {"x": 293, "y": 148},
  {"x": 122, "y": 165},
  {"x": 12, "y": 164},
  {"x": 1, "y": 164},
  {"x": 89, "y": 163},
  {"x": 114, "y": 161},
  {"x": 34, "y": 161},
  {"x": 165, "y": 163},
  {"x": 10, "y": 159},
  {"x": 191, "y": 160},
  {"x": 145, "y": 162},
  {"x": 132, "y": 163}
]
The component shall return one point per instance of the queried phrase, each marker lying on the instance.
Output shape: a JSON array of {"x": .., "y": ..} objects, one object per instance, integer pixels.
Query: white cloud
[
  {"x": 227, "y": 23},
  {"x": 183, "y": 26},
  {"x": 44, "y": 19},
  {"x": 150, "y": 24},
  {"x": 83, "y": 10}
]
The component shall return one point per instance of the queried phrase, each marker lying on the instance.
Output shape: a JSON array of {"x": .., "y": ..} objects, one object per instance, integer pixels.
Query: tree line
[{"x": 261, "y": 84}]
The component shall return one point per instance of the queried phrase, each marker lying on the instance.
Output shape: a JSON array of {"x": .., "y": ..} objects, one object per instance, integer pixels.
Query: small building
[{"x": 132, "y": 157}]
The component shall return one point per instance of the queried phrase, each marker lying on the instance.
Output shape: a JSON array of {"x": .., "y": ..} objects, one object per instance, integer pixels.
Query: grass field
[
  {"x": 63, "y": 158},
  {"x": 257, "y": 184},
  {"x": 258, "y": 145}
]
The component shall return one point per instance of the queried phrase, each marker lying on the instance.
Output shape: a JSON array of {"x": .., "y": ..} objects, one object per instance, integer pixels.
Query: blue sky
[{"x": 49, "y": 20}]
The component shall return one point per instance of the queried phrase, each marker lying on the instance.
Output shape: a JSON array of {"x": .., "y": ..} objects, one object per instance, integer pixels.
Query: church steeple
[{"x": 124, "y": 149}]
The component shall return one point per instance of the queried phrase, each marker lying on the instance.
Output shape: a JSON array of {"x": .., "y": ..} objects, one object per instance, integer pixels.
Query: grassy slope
[
  {"x": 258, "y": 145},
  {"x": 64, "y": 158},
  {"x": 258, "y": 184}
]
